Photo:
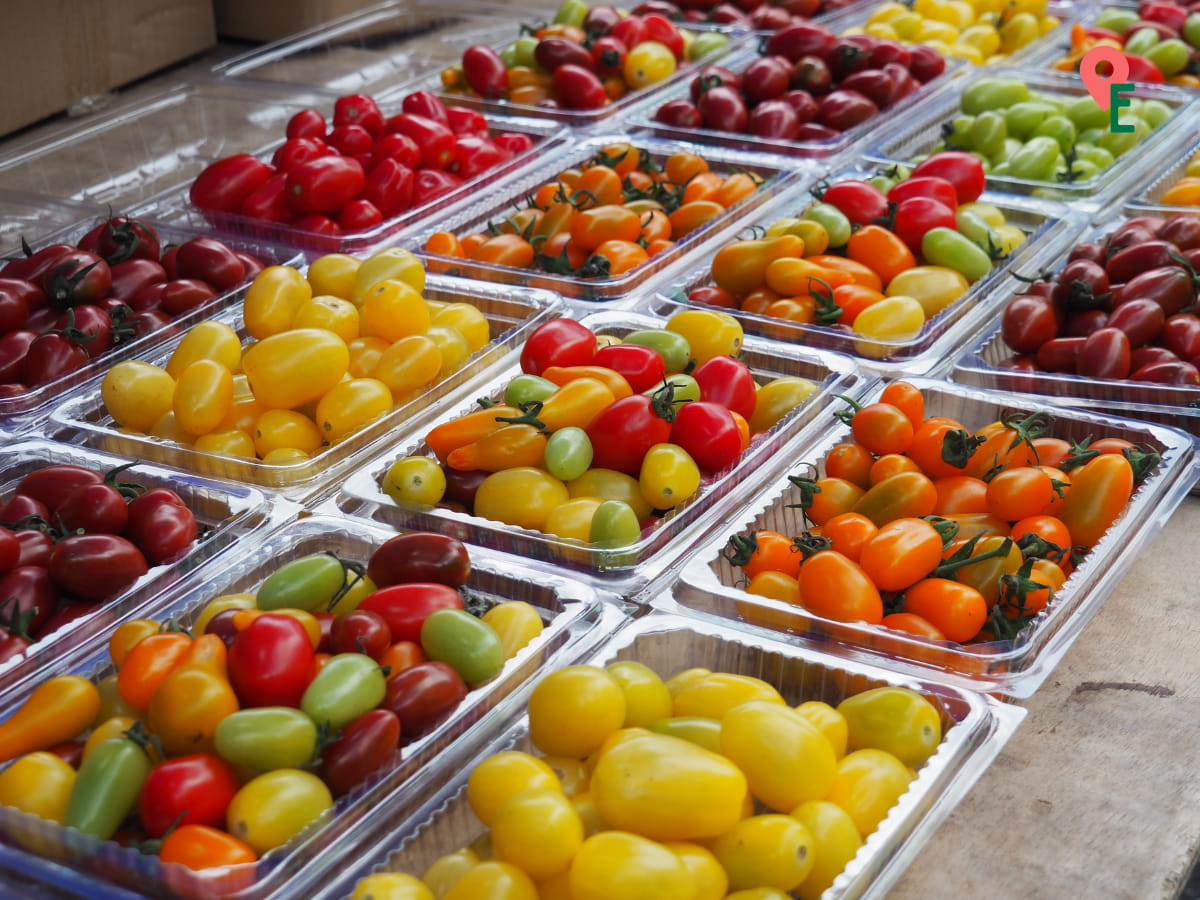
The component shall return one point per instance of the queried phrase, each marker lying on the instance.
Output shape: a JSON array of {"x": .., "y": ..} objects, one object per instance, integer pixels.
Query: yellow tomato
[
  {"x": 522, "y": 496},
  {"x": 786, "y": 759},
  {"x": 616, "y": 865},
  {"x": 391, "y": 886},
  {"x": 203, "y": 396},
  {"x": 766, "y": 851},
  {"x": 365, "y": 353},
  {"x": 137, "y": 394},
  {"x": 503, "y": 775},
  {"x": 609, "y": 484},
  {"x": 333, "y": 275},
  {"x": 226, "y": 443},
  {"x": 329, "y": 312},
  {"x": 453, "y": 346},
  {"x": 778, "y": 397},
  {"x": 574, "y": 774},
  {"x": 894, "y": 719},
  {"x": 271, "y": 809},
  {"x": 243, "y": 412},
  {"x": 719, "y": 692},
  {"x": 538, "y": 831},
  {"x": 646, "y": 697},
  {"x": 867, "y": 784},
  {"x": 352, "y": 405},
  {"x": 273, "y": 299},
  {"x": 708, "y": 876},
  {"x": 278, "y": 429},
  {"x": 835, "y": 842},
  {"x": 685, "y": 679},
  {"x": 467, "y": 320},
  {"x": 572, "y": 520},
  {"x": 648, "y": 63},
  {"x": 444, "y": 871},
  {"x": 415, "y": 480},
  {"x": 393, "y": 310},
  {"x": 516, "y": 622},
  {"x": 708, "y": 333},
  {"x": 828, "y": 721},
  {"x": 290, "y": 369},
  {"x": 572, "y": 710},
  {"x": 207, "y": 340},
  {"x": 669, "y": 476},
  {"x": 409, "y": 365},
  {"x": 109, "y": 728},
  {"x": 934, "y": 287},
  {"x": 38, "y": 783},
  {"x": 390, "y": 264},
  {"x": 493, "y": 881}
]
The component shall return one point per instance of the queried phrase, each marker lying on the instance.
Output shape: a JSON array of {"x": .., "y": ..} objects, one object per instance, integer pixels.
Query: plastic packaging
[
  {"x": 632, "y": 568},
  {"x": 922, "y": 134},
  {"x": 508, "y": 196},
  {"x": 574, "y": 616},
  {"x": 707, "y": 581},
  {"x": 511, "y": 313},
  {"x": 1147, "y": 197},
  {"x": 974, "y": 728},
  {"x": 229, "y": 515},
  {"x": 1050, "y": 228},
  {"x": 27, "y": 411},
  {"x": 643, "y": 119}
]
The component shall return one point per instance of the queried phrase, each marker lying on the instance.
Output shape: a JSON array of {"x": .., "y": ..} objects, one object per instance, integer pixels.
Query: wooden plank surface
[{"x": 1098, "y": 792}]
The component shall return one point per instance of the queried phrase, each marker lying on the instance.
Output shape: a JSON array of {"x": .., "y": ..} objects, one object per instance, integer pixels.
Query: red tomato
[
  {"x": 729, "y": 382},
  {"x": 485, "y": 71},
  {"x": 366, "y": 745},
  {"x": 360, "y": 110},
  {"x": 186, "y": 790},
  {"x": 642, "y": 367},
  {"x": 433, "y": 183},
  {"x": 463, "y": 121},
  {"x": 224, "y": 185},
  {"x": 324, "y": 185},
  {"x": 271, "y": 662},
  {"x": 97, "y": 508},
  {"x": 161, "y": 524},
  {"x": 405, "y": 607},
  {"x": 389, "y": 188},
  {"x": 96, "y": 566},
  {"x": 52, "y": 485},
  {"x": 859, "y": 202},
  {"x": 709, "y": 433},
  {"x": 434, "y": 139},
  {"x": 474, "y": 155},
  {"x": 963, "y": 170},
  {"x": 308, "y": 123},
  {"x": 423, "y": 696},
  {"x": 420, "y": 556},
  {"x": 625, "y": 430},
  {"x": 578, "y": 88},
  {"x": 210, "y": 260},
  {"x": 29, "y": 598},
  {"x": 360, "y": 631},
  {"x": 560, "y": 342}
]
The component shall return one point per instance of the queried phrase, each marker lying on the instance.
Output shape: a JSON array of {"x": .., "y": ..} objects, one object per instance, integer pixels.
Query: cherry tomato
[{"x": 423, "y": 696}]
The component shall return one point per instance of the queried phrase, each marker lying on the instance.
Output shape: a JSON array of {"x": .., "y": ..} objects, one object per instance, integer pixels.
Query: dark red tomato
[
  {"x": 770, "y": 18},
  {"x": 1087, "y": 250},
  {"x": 560, "y": 342},
  {"x": 132, "y": 275},
  {"x": 269, "y": 201},
  {"x": 27, "y": 597},
  {"x": 324, "y": 185},
  {"x": 903, "y": 82},
  {"x": 95, "y": 508},
  {"x": 122, "y": 238},
  {"x": 917, "y": 216},
  {"x": 168, "y": 261},
  {"x": 1059, "y": 354},
  {"x": 358, "y": 216},
  {"x": 161, "y": 525},
  {"x": 222, "y": 625},
  {"x": 14, "y": 311},
  {"x": 1082, "y": 284},
  {"x": 360, "y": 110},
  {"x": 485, "y": 71},
  {"x": 553, "y": 52},
  {"x": 429, "y": 184},
  {"x": 66, "y": 614},
  {"x": 1181, "y": 335},
  {"x": 33, "y": 296},
  {"x": 660, "y": 28},
  {"x": 210, "y": 260},
  {"x": 366, "y": 745},
  {"x": 474, "y": 155},
  {"x": 308, "y": 123},
  {"x": 709, "y": 434},
  {"x": 1169, "y": 286},
  {"x": 642, "y": 367},
  {"x": 399, "y": 147},
  {"x": 31, "y": 267},
  {"x": 462, "y": 120},
  {"x": 186, "y": 790},
  {"x": 405, "y": 607},
  {"x": 810, "y": 73},
  {"x": 389, "y": 188},
  {"x": 774, "y": 119},
  {"x": 726, "y": 14},
  {"x": 576, "y": 87},
  {"x": 625, "y": 430},
  {"x": 859, "y": 201},
  {"x": 608, "y": 56},
  {"x": 1123, "y": 265},
  {"x": 938, "y": 189},
  {"x": 295, "y": 151},
  {"x": 224, "y": 185},
  {"x": 801, "y": 39},
  {"x": 252, "y": 264},
  {"x": 271, "y": 662},
  {"x": 1145, "y": 356},
  {"x": 841, "y": 110},
  {"x": 461, "y": 487},
  {"x": 185, "y": 294},
  {"x": 1028, "y": 322},
  {"x": 888, "y": 51},
  {"x": 1104, "y": 354},
  {"x": 423, "y": 696},
  {"x": 77, "y": 278},
  {"x": 148, "y": 298},
  {"x": 875, "y": 84},
  {"x": 14, "y": 347},
  {"x": 149, "y": 321},
  {"x": 420, "y": 556},
  {"x": 10, "y": 551},
  {"x": 1176, "y": 372},
  {"x": 723, "y": 109},
  {"x": 50, "y": 357},
  {"x": 1141, "y": 320},
  {"x": 36, "y": 547},
  {"x": 714, "y": 76},
  {"x": 729, "y": 382},
  {"x": 681, "y": 113},
  {"x": 1182, "y": 230},
  {"x": 766, "y": 78},
  {"x": 926, "y": 63},
  {"x": 13, "y": 645},
  {"x": 90, "y": 326},
  {"x": 360, "y": 631},
  {"x": 961, "y": 169},
  {"x": 601, "y": 20},
  {"x": 96, "y": 566}
]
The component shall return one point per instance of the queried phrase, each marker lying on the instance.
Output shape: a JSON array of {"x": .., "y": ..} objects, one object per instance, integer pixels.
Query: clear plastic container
[
  {"x": 632, "y": 568},
  {"x": 34, "y": 219},
  {"x": 1148, "y": 196},
  {"x": 574, "y": 616},
  {"x": 374, "y": 49},
  {"x": 506, "y": 197},
  {"x": 231, "y": 516},
  {"x": 706, "y": 584},
  {"x": 981, "y": 365},
  {"x": 974, "y": 729},
  {"x": 27, "y": 411},
  {"x": 922, "y": 134},
  {"x": 643, "y": 119},
  {"x": 1050, "y": 228},
  {"x": 511, "y": 313}
]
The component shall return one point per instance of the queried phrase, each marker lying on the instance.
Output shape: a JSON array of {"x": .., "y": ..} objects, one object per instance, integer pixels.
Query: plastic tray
[
  {"x": 505, "y": 197},
  {"x": 922, "y": 134},
  {"x": 1017, "y": 668},
  {"x": 1147, "y": 198},
  {"x": 511, "y": 313},
  {"x": 628, "y": 569},
  {"x": 975, "y": 728},
  {"x": 35, "y": 219},
  {"x": 1050, "y": 228},
  {"x": 574, "y": 616},
  {"x": 230, "y": 515},
  {"x": 643, "y": 119},
  {"x": 26, "y": 412},
  {"x": 1165, "y": 404}
]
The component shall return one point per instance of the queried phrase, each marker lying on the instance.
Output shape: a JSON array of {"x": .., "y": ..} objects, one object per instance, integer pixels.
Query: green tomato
[
  {"x": 1091, "y": 136},
  {"x": 1116, "y": 19},
  {"x": 837, "y": 226},
  {"x": 525, "y": 388},
  {"x": 972, "y": 226},
  {"x": 946, "y": 247},
  {"x": 568, "y": 453},
  {"x": 988, "y": 133},
  {"x": 1154, "y": 112},
  {"x": 1098, "y": 156},
  {"x": 266, "y": 738},
  {"x": 1191, "y": 29},
  {"x": 1084, "y": 112},
  {"x": 959, "y": 133},
  {"x": 1081, "y": 170},
  {"x": 674, "y": 349},
  {"x": 1120, "y": 143},
  {"x": 1024, "y": 118},
  {"x": 1171, "y": 56},
  {"x": 306, "y": 583},
  {"x": 572, "y": 12},
  {"x": 107, "y": 787},
  {"x": 615, "y": 524},
  {"x": 685, "y": 388},
  {"x": 706, "y": 44},
  {"x": 882, "y": 183},
  {"x": 348, "y": 686},
  {"x": 471, "y": 647},
  {"x": 1141, "y": 42},
  {"x": 1002, "y": 168},
  {"x": 1060, "y": 129},
  {"x": 1035, "y": 161},
  {"x": 993, "y": 93},
  {"x": 524, "y": 48},
  {"x": 508, "y": 55}
]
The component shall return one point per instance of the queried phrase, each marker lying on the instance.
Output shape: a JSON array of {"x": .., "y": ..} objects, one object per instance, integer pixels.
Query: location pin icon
[{"x": 1097, "y": 84}]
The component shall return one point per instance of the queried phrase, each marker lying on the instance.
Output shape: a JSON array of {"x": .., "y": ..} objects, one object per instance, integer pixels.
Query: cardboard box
[
  {"x": 270, "y": 20},
  {"x": 54, "y": 53}
]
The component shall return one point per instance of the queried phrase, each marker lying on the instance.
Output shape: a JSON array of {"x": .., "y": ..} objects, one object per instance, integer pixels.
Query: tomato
[
  {"x": 900, "y": 553},
  {"x": 867, "y": 785},
  {"x": 264, "y": 738},
  {"x": 394, "y": 886},
  {"x": 50, "y": 357},
  {"x": 622, "y": 434},
  {"x": 576, "y": 87},
  {"x": 271, "y": 809},
  {"x": 957, "y": 610},
  {"x": 366, "y": 745},
  {"x": 538, "y": 830},
  {"x": 405, "y": 607},
  {"x": 324, "y": 184},
  {"x": 360, "y": 110},
  {"x": 295, "y": 367},
  {"x": 963, "y": 170},
  {"x": 38, "y": 783},
  {"x": 894, "y": 719},
  {"x": 708, "y": 433},
  {"x": 503, "y": 775},
  {"x": 560, "y": 342},
  {"x": 572, "y": 710},
  {"x": 270, "y": 662},
  {"x": 786, "y": 758},
  {"x": 882, "y": 429},
  {"x": 161, "y": 525},
  {"x": 348, "y": 686},
  {"x": 193, "y": 698},
  {"x": 1099, "y": 491},
  {"x": 224, "y": 185},
  {"x": 194, "y": 789},
  {"x": 96, "y": 566},
  {"x": 423, "y": 696},
  {"x": 470, "y": 646},
  {"x": 106, "y": 787},
  {"x": 485, "y": 71},
  {"x": 836, "y": 587},
  {"x": 201, "y": 847},
  {"x": 766, "y": 851}
]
